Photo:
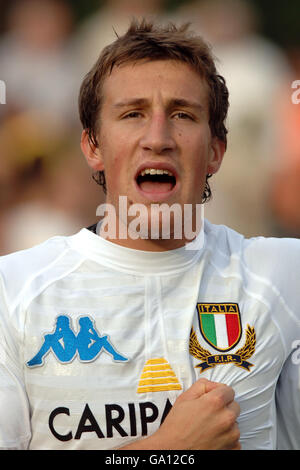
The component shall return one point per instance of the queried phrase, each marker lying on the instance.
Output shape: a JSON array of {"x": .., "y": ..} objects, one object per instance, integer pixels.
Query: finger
[
  {"x": 235, "y": 408},
  {"x": 237, "y": 446},
  {"x": 234, "y": 438},
  {"x": 223, "y": 394},
  {"x": 199, "y": 388}
]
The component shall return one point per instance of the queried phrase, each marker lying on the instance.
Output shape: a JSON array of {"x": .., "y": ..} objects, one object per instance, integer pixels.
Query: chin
[{"x": 162, "y": 222}]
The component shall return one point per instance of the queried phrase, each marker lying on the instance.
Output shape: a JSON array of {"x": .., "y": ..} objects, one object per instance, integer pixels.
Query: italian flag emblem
[{"x": 220, "y": 324}]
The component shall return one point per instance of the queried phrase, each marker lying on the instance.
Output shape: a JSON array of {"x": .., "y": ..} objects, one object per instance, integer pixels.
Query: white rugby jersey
[{"x": 97, "y": 341}]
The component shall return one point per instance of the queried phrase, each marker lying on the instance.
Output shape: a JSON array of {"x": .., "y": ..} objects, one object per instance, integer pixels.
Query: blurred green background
[{"x": 280, "y": 21}]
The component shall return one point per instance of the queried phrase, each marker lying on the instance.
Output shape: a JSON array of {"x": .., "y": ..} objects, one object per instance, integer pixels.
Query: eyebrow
[
  {"x": 131, "y": 102},
  {"x": 181, "y": 102}
]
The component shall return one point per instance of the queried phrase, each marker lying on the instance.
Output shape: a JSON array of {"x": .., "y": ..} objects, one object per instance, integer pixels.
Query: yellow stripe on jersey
[{"x": 158, "y": 376}]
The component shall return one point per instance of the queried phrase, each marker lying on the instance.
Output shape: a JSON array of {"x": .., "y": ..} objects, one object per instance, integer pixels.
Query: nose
[{"x": 157, "y": 136}]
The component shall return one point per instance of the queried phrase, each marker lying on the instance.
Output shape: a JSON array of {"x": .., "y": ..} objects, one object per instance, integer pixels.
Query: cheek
[
  {"x": 115, "y": 172},
  {"x": 196, "y": 174},
  {"x": 198, "y": 163},
  {"x": 198, "y": 178},
  {"x": 112, "y": 157}
]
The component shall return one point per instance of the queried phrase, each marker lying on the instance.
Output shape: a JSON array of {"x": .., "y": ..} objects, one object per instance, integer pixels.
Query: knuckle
[
  {"x": 236, "y": 439},
  {"x": 233, "y": 439},
  {"x": 218, "y": 399},
  {"x": 236, "y": 433},
  {"x": 229, "y": 419},
  {"x": 236, "y": 446}
]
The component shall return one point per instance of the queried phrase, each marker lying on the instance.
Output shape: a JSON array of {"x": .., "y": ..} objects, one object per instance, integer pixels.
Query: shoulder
[
  {"x": 267, "y": 264},
  {"x": 260, "y": 254},
  {"x": 275, "y": 253},
  {"x": 20, "y": 269},
  {"x": 222, "y": 239},
  {"x": 32, "y": 259}
]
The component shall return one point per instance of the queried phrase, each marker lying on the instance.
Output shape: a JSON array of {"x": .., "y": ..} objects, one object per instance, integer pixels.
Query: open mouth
[{"x": 153, "y": 180}]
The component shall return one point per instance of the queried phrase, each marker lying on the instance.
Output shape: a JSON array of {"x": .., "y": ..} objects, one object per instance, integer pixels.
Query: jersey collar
[{"x": 137, "y": 262}]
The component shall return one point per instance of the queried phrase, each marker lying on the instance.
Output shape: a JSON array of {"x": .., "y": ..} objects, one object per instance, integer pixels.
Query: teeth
[{"x": 154, "y": 171}]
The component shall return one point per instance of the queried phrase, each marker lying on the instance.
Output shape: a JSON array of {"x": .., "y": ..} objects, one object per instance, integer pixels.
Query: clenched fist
[{"x": 202, "y": 418}]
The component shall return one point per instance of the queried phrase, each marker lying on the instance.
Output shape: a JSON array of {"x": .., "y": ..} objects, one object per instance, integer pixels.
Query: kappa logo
[
  {"x": 87, "y": 345},
  {"x": 220, "y": 326}
]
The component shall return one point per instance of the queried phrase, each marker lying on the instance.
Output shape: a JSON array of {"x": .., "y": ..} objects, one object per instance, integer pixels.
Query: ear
[
  {"x": 216, "y": 155},
  {"x": 91, "y": 152}
]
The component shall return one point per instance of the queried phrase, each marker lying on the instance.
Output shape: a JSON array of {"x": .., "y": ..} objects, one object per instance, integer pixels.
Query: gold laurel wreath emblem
[{"x": 239, "y": 358}]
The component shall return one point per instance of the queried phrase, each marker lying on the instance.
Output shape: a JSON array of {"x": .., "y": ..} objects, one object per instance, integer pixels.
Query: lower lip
[{"x": 156, "y": 196}]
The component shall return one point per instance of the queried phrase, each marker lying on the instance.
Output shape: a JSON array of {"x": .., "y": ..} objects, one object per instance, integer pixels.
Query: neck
[
  {"x": 151, "y": 230},
  {"x": 123, "y": 236},
  {"x": 146, "y": 244}
]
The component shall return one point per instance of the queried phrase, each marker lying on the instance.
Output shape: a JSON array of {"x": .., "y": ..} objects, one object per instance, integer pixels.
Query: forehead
[{"x": 143, "y": 79}]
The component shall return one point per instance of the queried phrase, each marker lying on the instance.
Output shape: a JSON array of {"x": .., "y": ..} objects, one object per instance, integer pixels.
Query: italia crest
[{"x": 220, "y": 326}]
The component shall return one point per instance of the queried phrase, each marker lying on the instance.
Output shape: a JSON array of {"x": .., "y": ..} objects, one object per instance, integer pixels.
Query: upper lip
[{"x": 157, "y": 166}]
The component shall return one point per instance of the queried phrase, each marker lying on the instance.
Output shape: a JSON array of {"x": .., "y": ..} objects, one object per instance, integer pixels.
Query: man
[{"x": 190, "y": 318}]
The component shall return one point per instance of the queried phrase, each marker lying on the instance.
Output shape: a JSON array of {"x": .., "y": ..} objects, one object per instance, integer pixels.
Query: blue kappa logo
[{"x": 65, "y": 344}]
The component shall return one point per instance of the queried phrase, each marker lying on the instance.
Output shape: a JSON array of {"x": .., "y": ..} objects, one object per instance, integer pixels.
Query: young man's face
[{"x": 155, "y": 118}]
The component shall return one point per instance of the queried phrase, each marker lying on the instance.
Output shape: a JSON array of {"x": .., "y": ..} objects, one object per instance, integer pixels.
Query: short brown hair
[{"x": 145, "y": 40}]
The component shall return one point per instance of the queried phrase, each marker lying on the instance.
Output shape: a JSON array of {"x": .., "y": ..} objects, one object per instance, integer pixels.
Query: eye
[
  {"x": 132, "y": 115},
  {"x": 182, "y": 115}
]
